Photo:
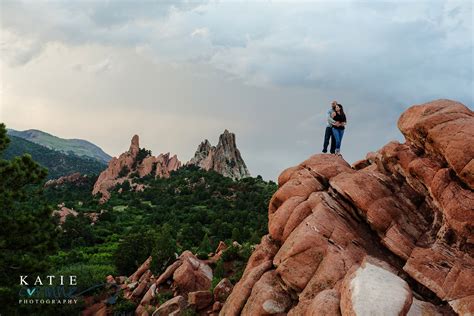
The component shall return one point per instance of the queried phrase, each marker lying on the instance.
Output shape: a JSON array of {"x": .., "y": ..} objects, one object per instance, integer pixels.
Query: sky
[{"x": 179, "y": 72}]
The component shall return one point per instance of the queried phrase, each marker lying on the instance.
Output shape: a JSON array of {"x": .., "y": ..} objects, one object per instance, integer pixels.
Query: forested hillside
[{"x": 57, "y": 163}]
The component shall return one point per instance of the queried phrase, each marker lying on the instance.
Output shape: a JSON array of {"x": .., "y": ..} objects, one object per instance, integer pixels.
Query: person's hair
[
  {"x": 342, "y": 111},
  {"x": 342, "y": 108}
]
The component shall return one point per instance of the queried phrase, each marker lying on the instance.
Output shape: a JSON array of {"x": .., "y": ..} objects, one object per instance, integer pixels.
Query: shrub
[
  {"x": 164, "y": 249},
  {"x": 132, "y": 251}
]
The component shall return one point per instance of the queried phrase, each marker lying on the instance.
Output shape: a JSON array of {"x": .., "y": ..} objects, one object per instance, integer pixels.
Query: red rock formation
[
  {"x": 174, "y": 306},
  {"x": 120, "y": 169},
  {"x": 199, "y": 300},
  {"x": 75, "y": 178},
  {"x": 63, "y": 212},
  {"x": 225, "y": 158},
  {"x": 222, "y": 290},
  {"x": 398, "y": 226}
]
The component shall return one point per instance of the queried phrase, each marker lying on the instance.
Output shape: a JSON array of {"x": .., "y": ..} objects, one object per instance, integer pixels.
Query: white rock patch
[
  {"x": 376, "y": 290},
  {"x": 273, "y": 307}
]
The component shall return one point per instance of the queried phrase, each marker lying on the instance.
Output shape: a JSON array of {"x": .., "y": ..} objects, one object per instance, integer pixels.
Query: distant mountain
[
  {"x": 58, "y": 163},
  {"x": 78, "y": 147}
]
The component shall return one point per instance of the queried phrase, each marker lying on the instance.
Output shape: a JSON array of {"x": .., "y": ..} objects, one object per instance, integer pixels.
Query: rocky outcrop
[
  {"x": 74, "y": 178},
  {"x": 131, "y": 163},
  {"x": 63, "y": 212},
  {"x": 186, "y": 283},
  {"x": 393, "y": 234},
  {"x": 224, "y": 158}
]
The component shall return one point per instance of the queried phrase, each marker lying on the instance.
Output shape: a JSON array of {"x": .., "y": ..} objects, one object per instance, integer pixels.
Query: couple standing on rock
[{"x": 335, "y": 128}]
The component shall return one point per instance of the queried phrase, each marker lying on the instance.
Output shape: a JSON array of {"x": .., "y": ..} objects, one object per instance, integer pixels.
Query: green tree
[
  {"x": 164, "y": 250},
  {"x": 27, "y": 232},
  {"x": 205, "y": 245},
  {"x": 132, "y": 251}
]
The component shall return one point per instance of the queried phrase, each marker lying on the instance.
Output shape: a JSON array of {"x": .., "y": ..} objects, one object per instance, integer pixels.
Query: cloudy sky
[{"x": 178, "y": 72}]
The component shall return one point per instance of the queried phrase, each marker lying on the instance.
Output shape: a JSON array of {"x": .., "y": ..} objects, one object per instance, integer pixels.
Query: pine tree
[
  {"x": 164, "y": 251},
  {"x": 205, "y": 245},
  {"x": 27, "y": 231}
]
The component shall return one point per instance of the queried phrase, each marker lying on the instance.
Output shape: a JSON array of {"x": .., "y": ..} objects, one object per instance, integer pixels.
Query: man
[{"x": 328, "y": 134}]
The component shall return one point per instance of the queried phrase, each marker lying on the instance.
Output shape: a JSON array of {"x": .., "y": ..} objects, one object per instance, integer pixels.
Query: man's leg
[{"x": 327, "y": 135}]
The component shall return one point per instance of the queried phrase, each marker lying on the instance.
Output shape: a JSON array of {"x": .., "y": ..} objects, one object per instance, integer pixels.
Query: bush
[
  {"x": 124, "y": 306},
  {"x": 88, "y": 275},
  {"x": 164, "y": 249},
  {"x": 132, "y": 251},
  {"x": 231, "y": 253}
]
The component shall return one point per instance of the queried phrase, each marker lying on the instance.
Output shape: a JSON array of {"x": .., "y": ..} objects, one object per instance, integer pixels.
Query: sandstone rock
[
  {"x": 112, "y": 175},
  {"x": 443, "y": 127},
  {"x": 225, "y": 158},
  {"x": 267, "y": 297},
  {"x": 326, "y": 303},
  {"x": 216, "y": 307},
  {"x": 110, "y": 279},
  {"x": 372, "y": 289},
  {"x": 408, "y": 205},
  {"x": 423, "y": 308},
  {"x": 222, "y": 246},
  {"x": 200, "y": 299},
  {"x": 463, "y": 306},
  {"x": 192, "y": 275},
  {"x": 144, "y": 267},
  {"x": 222, "y": 290},
  {"x": 168, "y": 272},
  {"x": 75, "y": 178},
  {"x": 175, "y": 305},
  {"x": 259, "y": 262},
  {"x": 143, "y": 284},
  {"x": 63, "y": 213},
  {"x": 119, "y": 169}
]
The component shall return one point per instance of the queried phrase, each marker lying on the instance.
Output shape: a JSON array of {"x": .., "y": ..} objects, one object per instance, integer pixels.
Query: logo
[{"x": 51, "y": 289}]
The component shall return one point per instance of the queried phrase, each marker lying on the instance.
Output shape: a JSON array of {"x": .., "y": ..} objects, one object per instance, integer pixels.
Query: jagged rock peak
[
  {"x": 120, "y": 169},
  {"x": 224, "y": 158},
  {"x": 134, "y": 145}
]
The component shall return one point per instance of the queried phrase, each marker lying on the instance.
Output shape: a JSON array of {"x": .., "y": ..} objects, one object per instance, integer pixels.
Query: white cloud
[
  {"x": 200, "y": 32},
  {"x": 16, "y": 50}
]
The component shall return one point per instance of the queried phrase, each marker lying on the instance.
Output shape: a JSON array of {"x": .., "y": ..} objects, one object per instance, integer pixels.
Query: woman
[{"x": 338, "y": 127}]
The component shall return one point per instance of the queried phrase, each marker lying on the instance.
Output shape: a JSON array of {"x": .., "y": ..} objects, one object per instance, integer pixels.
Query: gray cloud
[{"x": 264, "y": 70}]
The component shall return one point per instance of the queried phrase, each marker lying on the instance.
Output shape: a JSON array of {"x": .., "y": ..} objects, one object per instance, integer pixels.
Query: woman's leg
[
  {"x": 337, "y": 137},
  {"x": 341, "y": 134}
]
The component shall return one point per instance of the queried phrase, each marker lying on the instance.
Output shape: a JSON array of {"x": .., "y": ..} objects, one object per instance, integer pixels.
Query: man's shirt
[{"x": 331, "y": 121}]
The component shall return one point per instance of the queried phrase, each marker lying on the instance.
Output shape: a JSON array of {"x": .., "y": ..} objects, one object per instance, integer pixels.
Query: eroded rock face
[
  {"x": 63, "y": 212},
  {"x": 120, "y": 169},
  {"x": 225, "y": 158},
  {"x": 74, "y": 178},
  {"x": 192, "y": 275},
  {"x": 405, "y": 214}
]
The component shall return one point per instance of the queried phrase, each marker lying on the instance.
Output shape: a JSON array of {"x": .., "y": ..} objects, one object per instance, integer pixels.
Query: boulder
[
  {"x": 222, "y": 290},
  {"x": 325, "y": 303},
  {"x": 192, "y": 275},
  {"x": 175, "y": 305},
  {"x": 371, "y": 289},
  {"x": 200, "y": 299}
]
